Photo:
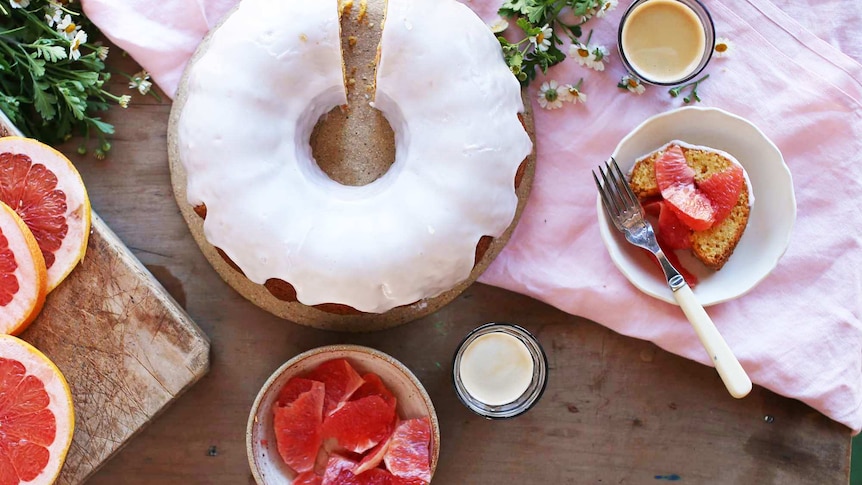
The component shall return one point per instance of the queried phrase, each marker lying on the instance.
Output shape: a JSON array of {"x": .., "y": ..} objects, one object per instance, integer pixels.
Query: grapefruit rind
[
  {"x": 78, "y": 210},
  {"x": 40, "y": 366},
  {"x": 29, "y": 273}
]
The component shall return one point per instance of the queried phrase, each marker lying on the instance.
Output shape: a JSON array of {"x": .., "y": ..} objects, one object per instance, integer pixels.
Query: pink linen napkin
[{"x": 798, "y": 332}]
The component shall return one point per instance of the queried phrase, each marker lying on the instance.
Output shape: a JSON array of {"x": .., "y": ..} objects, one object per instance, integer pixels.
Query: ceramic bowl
[
  {"x": 770, "y": 222},
  {"x": 413, "y": 402}
]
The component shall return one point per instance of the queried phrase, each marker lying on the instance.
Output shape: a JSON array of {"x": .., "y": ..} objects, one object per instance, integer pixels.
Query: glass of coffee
[{"x": 666, "y": 42}]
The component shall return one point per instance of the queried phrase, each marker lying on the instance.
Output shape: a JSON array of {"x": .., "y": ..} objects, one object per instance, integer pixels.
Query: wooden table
[{"x": 616, "y": 410}]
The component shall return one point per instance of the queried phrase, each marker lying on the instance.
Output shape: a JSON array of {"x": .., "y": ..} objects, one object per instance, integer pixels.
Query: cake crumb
[
  {"x": 351, "y": 41},
  {"x": 344, "y": 6},
  {"x": 363, "y": 6},
  {"x": 303, "y": 37}
]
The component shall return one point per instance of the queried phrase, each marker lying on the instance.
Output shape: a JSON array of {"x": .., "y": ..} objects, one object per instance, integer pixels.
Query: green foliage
[
  {"x": 523, "y": 57},
  {"x": 46, "y": 91}
]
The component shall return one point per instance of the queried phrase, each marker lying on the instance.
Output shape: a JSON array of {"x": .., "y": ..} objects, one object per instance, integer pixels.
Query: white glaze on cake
[{"x": 253, "y": 99}]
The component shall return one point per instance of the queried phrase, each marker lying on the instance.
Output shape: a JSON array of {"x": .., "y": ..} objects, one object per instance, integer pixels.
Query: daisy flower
[
  {"x": 631, "y": 83},
  {"x": 498, "y": 25},
  {"x": 723, "y": 47},
  {"x": 542, "y": 40},
  {"x": 582, "y": 54},
  {"x": 591, "y": 57},
  {"x": 551, "y": 96},
  {"x": 575, "y": 94},
  {"x": 53, "y": 14},
  {"x": 19, "y": 3},
  {"x": 141, "y": 82},
  {"x": 599, "y": 54},
  {"x": 123, "y": 101},
  {"x": 605, "y": 7},
  {"x": 75, "y": 45},
  {"x": 102, "y": 52},
  {"x": 67, "y": 28}
]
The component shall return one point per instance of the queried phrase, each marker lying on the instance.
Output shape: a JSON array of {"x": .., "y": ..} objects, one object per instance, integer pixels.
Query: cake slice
[{"x": 712, "y": 246}]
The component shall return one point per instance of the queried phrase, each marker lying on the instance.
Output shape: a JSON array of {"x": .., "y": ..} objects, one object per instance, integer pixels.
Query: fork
[{"x": 627, "y": 214}]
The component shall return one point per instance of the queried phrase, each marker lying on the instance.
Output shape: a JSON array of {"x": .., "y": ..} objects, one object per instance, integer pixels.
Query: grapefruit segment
[
  {"x": 409, "y": 454},
  {"x": 340, "y": 381},
  {"x": 45, "y": 189},
  {"x": 36, "y": 415},
  {"x": 298, "y": 429},
  {"x": 373, "y": 458},
  {"x": 723, "y": 189},
  {"x": 292, "y": 390},
  {"x": 676, "y": 182},
  {"x": 23, "y": 277},
  {"x": 360, "y": 425},
  {"x": 671, "y": 232},
  {"x": 308, "y": 478},
  {"x": 373, "y": 386}
]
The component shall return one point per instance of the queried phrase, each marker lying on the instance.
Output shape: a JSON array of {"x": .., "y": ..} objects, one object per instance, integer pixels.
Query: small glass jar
[
  {"x": 534, "y": 388},
  {"x": 703, "y": 18}
]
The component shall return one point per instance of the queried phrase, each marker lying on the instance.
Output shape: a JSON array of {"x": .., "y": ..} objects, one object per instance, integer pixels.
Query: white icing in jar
[{"x": 500, "y": 370}]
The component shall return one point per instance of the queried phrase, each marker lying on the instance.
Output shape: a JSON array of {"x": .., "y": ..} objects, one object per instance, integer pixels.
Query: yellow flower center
[
  {"x": 70, "y": 28},
  {"x": 633, "y": 83},
  {"x": 583, "y": 53},
  {"x": 720, "y": 47},
  {"x": 540, "y": 38}
]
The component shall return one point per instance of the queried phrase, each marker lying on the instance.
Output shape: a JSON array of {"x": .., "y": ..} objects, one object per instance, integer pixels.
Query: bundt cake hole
[{"x": 355, "y": 144}]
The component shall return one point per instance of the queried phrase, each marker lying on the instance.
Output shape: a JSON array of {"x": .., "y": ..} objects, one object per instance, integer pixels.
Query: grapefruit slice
[
  {"x": 298, "y": 429},
  {"x": 676, "y": 182},
  {"x": 36, "y": 415},
  {"x": 409, "y": 453},
  {"x": 373, "y": 386},
  {"x": 45, "y": 189},
  {"x": 723, "y": 189},
  {"x": 340, "y": 380},
  {"x": 23, "y": 278},
  {"x": 360, "y": 425}
]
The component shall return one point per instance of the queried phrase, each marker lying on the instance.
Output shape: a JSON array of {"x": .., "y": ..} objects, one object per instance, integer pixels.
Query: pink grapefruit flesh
[
  {"x": 298, "y": 429},
  {"x": 670, "y": 232},
  {"x": 360, "y": 425},
  {"x": 36, "y": 415},
  {"x": 340, "y": 381},
  {"x": 293, "y": 389},
  {"x": 23, "y": 276},
  {"x": 45, "y": 189},
  {"x": 723, "y": 189},
  {"x": 676, "y": 182},
  {"x": 409, "y": 453}
]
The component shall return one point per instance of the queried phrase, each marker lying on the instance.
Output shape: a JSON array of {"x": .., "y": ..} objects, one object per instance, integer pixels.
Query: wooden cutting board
[{"x": 125, "y": 346}]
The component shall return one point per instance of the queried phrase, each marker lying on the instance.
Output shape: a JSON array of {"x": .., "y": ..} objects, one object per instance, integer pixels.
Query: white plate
[{"x": 769, "y": 225}]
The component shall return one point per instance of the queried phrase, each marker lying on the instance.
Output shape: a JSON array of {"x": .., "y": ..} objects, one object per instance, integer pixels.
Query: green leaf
[
  {"x": 51, "y": 53},
  {"x": 510, "y": 8},
  {"x": 44, "y": 101}
]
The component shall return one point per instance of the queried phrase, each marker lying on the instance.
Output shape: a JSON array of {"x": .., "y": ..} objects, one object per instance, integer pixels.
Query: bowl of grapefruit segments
[{"x": 339, "y": 415}]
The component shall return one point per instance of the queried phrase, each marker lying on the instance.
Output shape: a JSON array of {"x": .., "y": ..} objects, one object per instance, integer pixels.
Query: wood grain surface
[
  {"x": 124, "y": 345},
  {"x": 616, "y": 410}
]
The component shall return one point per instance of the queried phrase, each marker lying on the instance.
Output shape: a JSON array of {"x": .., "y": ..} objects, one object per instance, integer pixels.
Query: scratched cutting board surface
[{"x": 125, "y": 346}]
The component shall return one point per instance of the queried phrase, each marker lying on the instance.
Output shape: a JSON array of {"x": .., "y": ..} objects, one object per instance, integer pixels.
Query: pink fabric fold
[{"x": 798, "y": 332}]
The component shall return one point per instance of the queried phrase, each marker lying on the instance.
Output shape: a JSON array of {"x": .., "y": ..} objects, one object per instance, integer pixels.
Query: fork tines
[{"x": 616, "y": 194}]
